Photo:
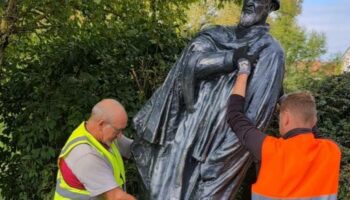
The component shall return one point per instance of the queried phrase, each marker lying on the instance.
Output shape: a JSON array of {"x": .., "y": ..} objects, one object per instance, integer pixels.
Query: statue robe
[{"x": 184, "y": 148}]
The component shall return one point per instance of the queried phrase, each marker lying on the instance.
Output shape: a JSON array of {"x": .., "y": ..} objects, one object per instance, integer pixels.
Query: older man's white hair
[{"x": 102, "y": 110}]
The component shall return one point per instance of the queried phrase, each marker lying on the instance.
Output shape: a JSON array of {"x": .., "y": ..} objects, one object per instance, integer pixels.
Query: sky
[{"x": 331, "y": 17}]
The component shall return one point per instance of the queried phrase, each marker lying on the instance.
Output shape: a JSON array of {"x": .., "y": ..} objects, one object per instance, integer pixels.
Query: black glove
[{"x": 242, "y": 52}]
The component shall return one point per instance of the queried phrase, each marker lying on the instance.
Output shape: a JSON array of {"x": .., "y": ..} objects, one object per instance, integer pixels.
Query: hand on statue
[
  {"x": 244, "y": 61},
  {"x": 244, "y": 66},
  {"x": 244, "y": 52}
]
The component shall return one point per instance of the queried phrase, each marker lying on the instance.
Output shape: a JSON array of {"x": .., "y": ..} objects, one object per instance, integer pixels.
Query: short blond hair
[{"x": 301, "y": 104}]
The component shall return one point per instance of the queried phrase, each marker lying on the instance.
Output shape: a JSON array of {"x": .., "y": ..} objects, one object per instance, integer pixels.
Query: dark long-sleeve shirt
[{"x": 251, "y": 137}]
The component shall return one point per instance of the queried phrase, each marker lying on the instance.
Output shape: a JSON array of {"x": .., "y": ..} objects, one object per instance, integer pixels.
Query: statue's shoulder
[
  {"x": 217, "y": 28},
  {"x": 275, "y": 45},
  {"x": 218, "y": 32}
]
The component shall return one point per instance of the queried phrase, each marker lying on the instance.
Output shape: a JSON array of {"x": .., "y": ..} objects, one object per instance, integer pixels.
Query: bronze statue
[{"x": 183, "y": 147}]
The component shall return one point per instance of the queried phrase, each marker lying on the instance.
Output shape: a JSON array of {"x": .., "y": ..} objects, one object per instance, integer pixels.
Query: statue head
[{"x": 255, "y": 12}]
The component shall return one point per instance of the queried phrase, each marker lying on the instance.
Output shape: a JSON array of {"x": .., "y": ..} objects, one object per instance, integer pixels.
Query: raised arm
[
  {"x": 261, "y": 98},
  {"x": 244, "y": 129}
]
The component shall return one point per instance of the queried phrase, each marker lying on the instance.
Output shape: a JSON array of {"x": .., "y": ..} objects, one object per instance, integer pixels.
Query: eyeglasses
[{"x": 116, "y": 131}]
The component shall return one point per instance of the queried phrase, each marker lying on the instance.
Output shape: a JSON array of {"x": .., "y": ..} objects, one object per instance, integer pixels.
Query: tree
[
  {"x": 296, "y": 42},
  {"x": 60, "y": 62},
  {"x": 299, "y": 45}
]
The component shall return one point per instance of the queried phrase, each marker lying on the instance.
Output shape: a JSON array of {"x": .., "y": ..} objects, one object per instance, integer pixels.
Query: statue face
[{"x": 254, "y": 12}]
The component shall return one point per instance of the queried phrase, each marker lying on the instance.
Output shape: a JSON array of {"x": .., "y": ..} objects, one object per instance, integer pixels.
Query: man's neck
[
  {"x": 296, "y": 131},
  {"x": 91, "y": 128}
]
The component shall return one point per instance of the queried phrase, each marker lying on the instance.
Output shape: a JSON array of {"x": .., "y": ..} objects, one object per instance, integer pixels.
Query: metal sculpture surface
[{"x": 183, "y": 147}]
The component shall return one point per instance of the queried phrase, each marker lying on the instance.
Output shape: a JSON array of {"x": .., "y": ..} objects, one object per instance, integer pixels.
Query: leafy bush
[
  {"x": 57, "y": 70},
  {"x": 333, "y": 102}
]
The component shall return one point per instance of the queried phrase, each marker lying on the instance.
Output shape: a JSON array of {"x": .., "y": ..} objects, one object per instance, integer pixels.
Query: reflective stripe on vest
[
  {"x": 82, "y": 136},
  {"x": 324, "y": 197},
  {"x": 67, "y": 194},
  {"x": 300, "y": 167},
  {"x": 69, "y": 144}
]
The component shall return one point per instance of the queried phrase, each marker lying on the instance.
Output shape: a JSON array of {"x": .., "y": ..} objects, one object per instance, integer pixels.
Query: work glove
[
  {"x": 244, "y": 66},
  {"x": 243, "y": 52}
]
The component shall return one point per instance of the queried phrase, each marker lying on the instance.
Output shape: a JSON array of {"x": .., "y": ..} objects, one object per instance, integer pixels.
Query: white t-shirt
[{"x": 93, "y": 170}]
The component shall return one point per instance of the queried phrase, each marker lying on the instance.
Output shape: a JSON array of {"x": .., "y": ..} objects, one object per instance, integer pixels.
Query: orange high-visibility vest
[{"x": 300, "y": 167}]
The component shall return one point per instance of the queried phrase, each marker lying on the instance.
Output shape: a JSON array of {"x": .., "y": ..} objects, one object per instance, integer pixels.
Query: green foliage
[
  {"x": 297, "y": 79},
  {"x": 299, "y": 46},
  {"x": 333, "y": 98},
  {"x": 333, "y": 101},
  {"x": 66, "y": 60},
  {"x": 1, "y": 129},
  {"x": 296, "y": 42},
  {"x": 344, "y": 184}
]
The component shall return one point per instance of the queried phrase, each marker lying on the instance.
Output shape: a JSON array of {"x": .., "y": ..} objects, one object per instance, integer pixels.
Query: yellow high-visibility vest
[{"x": 82, "y": 136}]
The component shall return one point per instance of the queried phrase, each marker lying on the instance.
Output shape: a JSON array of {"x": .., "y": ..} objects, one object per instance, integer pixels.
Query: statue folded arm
[
  {"x": 208, "y": 64},
  {"x": 204, "y": 60}
]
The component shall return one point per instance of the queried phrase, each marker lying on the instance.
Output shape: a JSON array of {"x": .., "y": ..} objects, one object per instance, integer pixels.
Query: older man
[
  {"x": 90, "y": 163},
  {"x": 184, "y": 148}
]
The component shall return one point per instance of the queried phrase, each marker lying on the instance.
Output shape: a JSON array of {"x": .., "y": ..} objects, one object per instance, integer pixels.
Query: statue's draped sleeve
[{"x": 265, "y": 85}]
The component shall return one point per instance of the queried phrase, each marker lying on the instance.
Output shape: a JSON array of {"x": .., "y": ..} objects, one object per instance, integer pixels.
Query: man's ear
[
  {"x": 314, "y": 122},
  {"x": 100, "y": 123},
  {"x": 287, "y": 118}
]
